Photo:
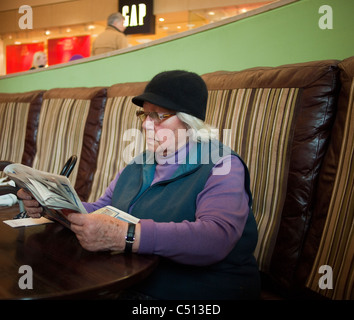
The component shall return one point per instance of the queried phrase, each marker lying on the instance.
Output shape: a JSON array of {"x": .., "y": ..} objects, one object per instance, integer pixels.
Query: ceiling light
[
  {"x": 243, "y": 10},
  {"x": 211, "y": 13},
  {"x": 47, "y": 32},
  {"x": 161, "y": 19}
]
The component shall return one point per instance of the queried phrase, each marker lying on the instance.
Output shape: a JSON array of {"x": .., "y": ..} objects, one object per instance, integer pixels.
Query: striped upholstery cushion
[
  {"x": 337, "y": 243},
  {"x": 118, "y": 144},
  {"x": 69, "y": 124},
  {"x": 260, "y": 125},
  {"x": 13, "y": 120},
  {"x": 18, "y": 115},
  {"x": 60, "y": 133}
]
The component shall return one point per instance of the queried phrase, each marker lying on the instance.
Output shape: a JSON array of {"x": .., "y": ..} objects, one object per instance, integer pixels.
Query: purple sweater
[{"x": 222, "y": 210}]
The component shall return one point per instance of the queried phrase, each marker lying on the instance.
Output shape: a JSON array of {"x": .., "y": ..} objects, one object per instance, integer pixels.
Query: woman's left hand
[{"x": 98, "y": 232}]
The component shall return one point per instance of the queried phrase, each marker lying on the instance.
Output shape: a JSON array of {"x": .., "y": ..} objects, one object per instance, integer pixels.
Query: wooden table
[{"x": 61, "y": 268}]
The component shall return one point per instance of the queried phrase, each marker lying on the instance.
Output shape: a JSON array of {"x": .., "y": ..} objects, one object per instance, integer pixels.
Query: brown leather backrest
[{"x": 319, "y": 84}]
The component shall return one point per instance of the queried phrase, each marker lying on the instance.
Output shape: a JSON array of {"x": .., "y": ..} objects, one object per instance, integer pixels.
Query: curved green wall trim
[{"x": 288, "y": 34}]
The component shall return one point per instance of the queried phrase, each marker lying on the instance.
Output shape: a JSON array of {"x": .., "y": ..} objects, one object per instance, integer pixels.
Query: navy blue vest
[{"x": 236, "y": 276}]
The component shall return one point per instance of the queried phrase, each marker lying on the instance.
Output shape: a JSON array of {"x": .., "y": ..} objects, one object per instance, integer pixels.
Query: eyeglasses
[{"x": 154, "y": 116}]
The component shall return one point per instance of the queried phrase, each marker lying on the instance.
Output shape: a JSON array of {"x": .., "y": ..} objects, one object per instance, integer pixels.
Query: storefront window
[
  {"x": 172, "y": 23},
  {"x": 166, "y": 24}
]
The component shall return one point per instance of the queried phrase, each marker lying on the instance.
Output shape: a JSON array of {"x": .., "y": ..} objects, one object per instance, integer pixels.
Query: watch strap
[{"x": 129, "y": 239}]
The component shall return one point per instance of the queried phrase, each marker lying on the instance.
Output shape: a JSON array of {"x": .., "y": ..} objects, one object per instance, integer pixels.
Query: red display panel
[
  {"x": 19, "y": 56},
  {"x": 63, "y": 49}
]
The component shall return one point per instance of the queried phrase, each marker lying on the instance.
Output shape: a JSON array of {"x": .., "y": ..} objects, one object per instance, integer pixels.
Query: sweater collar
[
  {"x": 178, "y": 157},
  {"x": 113, "y": 27}
]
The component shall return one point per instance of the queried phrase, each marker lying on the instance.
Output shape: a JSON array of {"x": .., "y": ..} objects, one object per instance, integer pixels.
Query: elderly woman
[{"x": 191, "y": 194}]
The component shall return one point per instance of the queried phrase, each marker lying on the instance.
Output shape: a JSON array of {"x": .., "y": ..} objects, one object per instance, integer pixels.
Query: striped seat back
[
  {"x": 70, "y": 123},
  {"x": 19, "y": 114},
  {"x": 279, "y": 120},
  {"x": 258, "y": 124},
  {"x": 122, "y": 137}
]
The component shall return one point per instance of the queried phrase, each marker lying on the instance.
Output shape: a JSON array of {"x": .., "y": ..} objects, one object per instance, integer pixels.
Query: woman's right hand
[{"x": 32, "y": 206}]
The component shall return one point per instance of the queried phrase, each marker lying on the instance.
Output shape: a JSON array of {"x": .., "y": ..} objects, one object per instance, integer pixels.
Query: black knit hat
[{"x": 176, "y": 90}]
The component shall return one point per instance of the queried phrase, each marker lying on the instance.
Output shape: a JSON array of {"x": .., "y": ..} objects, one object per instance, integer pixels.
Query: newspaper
[
  {"x": 118, "y": 214},
  {"x": 50, "y": 190},
  {"x": 56, "y": 194}
]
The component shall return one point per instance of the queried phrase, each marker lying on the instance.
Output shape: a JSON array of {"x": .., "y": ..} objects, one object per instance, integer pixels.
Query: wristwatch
[{"x": 129, "y": 239}]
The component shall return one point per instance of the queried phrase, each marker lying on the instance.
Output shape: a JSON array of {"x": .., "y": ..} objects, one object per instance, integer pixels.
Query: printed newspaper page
[
  {"x": 50, "y": 190},
  {"x": 116, "y": 213},
  {"x": 56, "y": 194}
]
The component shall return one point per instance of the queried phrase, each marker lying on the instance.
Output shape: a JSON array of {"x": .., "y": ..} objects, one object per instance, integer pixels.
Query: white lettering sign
[{"x": 136, "y": 16}]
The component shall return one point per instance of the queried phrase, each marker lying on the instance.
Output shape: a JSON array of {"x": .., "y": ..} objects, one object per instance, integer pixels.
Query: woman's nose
[{"x": 148, "y": 124}]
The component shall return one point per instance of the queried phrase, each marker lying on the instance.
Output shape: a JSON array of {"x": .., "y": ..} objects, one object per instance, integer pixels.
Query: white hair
[{"x": 199, "y": 131}]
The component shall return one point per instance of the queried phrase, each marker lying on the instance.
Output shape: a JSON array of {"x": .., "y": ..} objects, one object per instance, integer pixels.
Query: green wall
[{"x": 288, "y": 34}]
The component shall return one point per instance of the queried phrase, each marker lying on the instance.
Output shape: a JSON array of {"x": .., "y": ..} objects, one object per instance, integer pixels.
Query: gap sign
[{"x": 139, "y": 17}]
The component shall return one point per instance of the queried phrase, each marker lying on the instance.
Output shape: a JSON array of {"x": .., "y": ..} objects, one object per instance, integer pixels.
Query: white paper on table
[{"x": 27, "y": 222}]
